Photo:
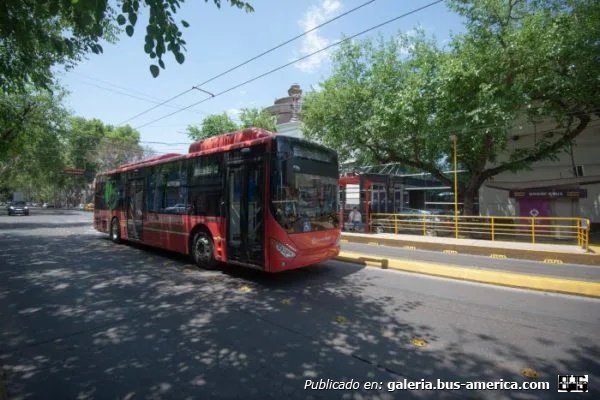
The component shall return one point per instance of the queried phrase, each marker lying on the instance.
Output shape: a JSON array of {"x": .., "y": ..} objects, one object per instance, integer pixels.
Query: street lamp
[{"x": 454, "y": 138}]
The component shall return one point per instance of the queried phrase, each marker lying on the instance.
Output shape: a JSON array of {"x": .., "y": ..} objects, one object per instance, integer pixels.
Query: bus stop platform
[
  {"x": 543, "y": 252},
  {"x": 505, "y": 263}
]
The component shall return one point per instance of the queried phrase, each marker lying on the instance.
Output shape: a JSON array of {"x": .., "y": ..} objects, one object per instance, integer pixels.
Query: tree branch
[{"x": 542, "y": 152}]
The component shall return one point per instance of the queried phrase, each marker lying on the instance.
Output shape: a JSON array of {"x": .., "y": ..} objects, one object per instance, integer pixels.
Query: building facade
[
  {"x": 566, "y": 187},
  {"x": 286, "y": 111}
]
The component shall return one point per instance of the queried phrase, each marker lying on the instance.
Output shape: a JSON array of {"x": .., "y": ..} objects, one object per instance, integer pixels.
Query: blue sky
[{"x": 117, "y": 85}]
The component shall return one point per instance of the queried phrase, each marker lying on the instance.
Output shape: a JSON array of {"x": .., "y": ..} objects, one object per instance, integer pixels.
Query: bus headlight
[{"x": 284, "y": 250}]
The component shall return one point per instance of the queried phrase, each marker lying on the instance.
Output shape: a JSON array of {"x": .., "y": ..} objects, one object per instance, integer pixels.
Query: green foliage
[
  {"x": 31, "y": 127},
  {"x": 217, "y": 124},
  {"x": 212, "y": 125},
  {"x": 40, "y": 140},
  {"x": 255, "y": 118},
  {"x": 37, "y": 35},
  {"x": 401, "y": 100}
]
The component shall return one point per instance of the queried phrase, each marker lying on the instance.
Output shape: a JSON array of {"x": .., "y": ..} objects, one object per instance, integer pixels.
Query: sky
[{"x": 117, "y": 85}]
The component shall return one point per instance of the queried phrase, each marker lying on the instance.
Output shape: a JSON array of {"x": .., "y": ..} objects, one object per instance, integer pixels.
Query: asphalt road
[{"x": 83, "y": 318}]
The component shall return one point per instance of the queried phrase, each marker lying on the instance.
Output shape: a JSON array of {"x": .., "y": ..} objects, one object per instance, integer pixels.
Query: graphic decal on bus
[{"x": 110, "y": 195}]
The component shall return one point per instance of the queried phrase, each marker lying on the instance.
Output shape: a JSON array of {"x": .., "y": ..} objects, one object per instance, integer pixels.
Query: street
[{"x": 81, "y": 317}]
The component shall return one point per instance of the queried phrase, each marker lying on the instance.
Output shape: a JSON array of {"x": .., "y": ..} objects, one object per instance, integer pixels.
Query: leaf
[
  {"x": 185, "y": 23},
  {"x": 121, "y": 20},
  {"x": 154, "y": 70},
  {"x": 180, "y": 58},
  {"x": 129, "y": 30},
  {"x": 132, "y": 18},
  {"x": 161, "y": 63}
]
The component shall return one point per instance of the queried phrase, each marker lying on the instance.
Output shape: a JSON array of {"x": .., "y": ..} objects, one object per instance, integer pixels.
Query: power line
[
  {"x": 196, "y": 87},
  {"x": 284, "y": 43},
  {"x": 156, "y": 106},
  {"x": 128, "y": 89},
  {"x": 147, "y": 99},
  {"x": 295, "y": 61}
]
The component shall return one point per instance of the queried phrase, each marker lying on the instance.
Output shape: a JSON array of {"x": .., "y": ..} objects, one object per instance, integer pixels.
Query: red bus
[{"x": 249, "y": 198}]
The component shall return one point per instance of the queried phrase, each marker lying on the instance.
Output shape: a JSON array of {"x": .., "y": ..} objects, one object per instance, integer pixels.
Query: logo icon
[{"x": 573, "y": 383}]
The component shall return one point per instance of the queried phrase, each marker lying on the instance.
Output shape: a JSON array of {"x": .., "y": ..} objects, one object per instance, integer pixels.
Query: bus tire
[
  {"x": 203, "y": 251},
  {"x": 115, "y": 231}
]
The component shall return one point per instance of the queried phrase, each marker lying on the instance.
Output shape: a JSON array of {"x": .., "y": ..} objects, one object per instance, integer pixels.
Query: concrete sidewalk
[
  {"x": 549, "y": 253},
  {"x": 543, "y": 283},
  {"x": 495, "y": 269}
]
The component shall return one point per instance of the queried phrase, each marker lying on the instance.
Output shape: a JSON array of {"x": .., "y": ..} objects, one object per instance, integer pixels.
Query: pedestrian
[{"x": 355, "y": 218}]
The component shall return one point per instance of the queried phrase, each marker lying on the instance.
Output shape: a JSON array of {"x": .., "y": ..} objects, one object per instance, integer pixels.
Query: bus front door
[
  {"x": 245, "y": 214},
  {"x": 135, "y": 208}
]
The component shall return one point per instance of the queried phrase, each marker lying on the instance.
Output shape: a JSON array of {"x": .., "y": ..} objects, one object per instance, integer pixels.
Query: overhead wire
[
  {"x": 147, "y": 99},
  {"x": 294, "y": 61},
  {"x": 251, "y": 59}
]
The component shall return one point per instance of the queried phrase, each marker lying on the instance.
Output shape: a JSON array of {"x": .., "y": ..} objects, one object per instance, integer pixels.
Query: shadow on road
[{"x": 84, "y": 318}]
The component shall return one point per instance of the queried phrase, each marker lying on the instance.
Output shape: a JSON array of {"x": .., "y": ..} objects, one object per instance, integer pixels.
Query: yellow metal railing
[{"x": 533, "y": 229}]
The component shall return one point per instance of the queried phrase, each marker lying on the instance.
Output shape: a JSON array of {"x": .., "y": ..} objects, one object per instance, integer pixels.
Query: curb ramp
[{"x": 501, "y": 278}]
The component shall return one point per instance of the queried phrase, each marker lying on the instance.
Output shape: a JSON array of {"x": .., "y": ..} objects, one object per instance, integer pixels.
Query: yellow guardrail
[{"x": 534, "y": 229}]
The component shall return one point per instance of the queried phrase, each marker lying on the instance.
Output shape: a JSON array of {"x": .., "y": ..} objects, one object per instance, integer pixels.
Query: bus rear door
[{"x": 135, "y": 208}]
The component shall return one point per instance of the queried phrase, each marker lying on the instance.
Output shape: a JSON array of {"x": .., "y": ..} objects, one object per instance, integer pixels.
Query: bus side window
[{"x": 205, "y": 185}]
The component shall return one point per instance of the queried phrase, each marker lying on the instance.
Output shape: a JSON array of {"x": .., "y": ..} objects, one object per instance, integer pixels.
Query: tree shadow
[{"x": 84, "y": 318}]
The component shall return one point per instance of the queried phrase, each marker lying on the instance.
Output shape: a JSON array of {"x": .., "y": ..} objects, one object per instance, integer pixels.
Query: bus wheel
[
  {"x": 203, "y": 251},
  {"x": 115, "y": 231}
]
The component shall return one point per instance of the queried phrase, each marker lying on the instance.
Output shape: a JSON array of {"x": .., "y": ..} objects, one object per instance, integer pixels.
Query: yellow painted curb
[{"x": 503, "y": 278}]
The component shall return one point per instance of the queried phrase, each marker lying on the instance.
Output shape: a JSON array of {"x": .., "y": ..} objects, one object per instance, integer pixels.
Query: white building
[{"x": 566, "y": 187}]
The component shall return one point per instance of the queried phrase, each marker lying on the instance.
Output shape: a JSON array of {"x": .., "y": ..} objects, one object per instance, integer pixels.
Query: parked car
[
  {"x": 89, "y": 207},
  {"x": 48, "y": 205},
  {"x": 17, "y": 207}
]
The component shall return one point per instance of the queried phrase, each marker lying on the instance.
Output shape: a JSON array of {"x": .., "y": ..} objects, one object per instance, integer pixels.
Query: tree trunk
[{"x": 469, "y": 195}]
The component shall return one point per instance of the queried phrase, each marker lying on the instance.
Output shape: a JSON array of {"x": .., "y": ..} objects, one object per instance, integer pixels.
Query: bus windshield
[{"x": 304, "y": 186}]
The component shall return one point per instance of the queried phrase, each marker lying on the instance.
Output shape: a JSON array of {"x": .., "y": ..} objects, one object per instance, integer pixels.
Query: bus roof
[
  {"x": 246, "y": 136},
  {"x": 224, "y": 142}
]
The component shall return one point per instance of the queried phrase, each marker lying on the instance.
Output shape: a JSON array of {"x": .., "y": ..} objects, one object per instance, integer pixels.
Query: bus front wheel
[
  {"x": 203, "y": 251},
  {"x": 115, "y": 231}
]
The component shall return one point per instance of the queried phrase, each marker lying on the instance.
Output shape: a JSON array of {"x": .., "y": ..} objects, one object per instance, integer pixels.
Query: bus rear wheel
[
  {"x": 115, "y": 231},
  {"x": 203, "y": 251}
]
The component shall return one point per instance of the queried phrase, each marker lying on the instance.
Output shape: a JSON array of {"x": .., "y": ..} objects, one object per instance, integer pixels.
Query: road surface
[{"x": 83, "y": 318}]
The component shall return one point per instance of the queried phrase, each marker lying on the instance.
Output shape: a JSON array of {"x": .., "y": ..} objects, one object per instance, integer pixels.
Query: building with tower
[{"x": 286, "y": 110}]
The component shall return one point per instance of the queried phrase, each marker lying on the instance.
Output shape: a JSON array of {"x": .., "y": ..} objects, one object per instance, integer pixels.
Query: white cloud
[{"x": 312, "y": 42}]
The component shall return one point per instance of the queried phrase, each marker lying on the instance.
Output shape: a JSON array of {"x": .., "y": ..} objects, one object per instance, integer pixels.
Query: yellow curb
[
  {"x": 594, "y": 248},
  {"x": 535, "y": 282}
]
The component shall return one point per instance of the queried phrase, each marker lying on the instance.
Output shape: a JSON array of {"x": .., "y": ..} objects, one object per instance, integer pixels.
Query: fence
[{"x": 533, "y": 229}]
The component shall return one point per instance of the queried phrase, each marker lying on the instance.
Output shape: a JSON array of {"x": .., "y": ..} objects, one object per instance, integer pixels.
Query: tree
[
  {"x": 37, "y": 35},
  {"x": 212, "y": 125},
  {"x": 217, "y": 124},
  {"x": 253, "y": 117},
  {"x": 31, "y": 125},
  {"x": 401, "y": 100}
]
